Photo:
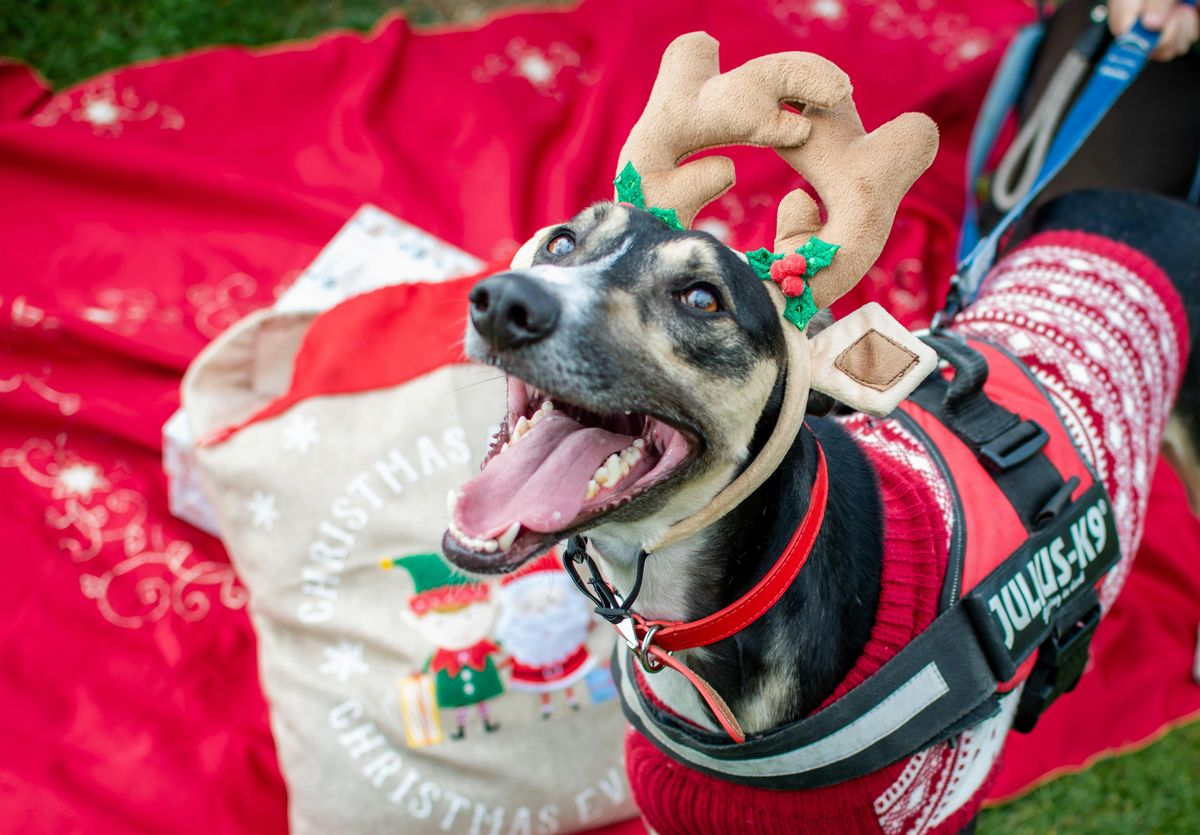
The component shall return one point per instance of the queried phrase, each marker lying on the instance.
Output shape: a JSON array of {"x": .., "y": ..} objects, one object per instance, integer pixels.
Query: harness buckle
[
  {"x": 1013, "y": 446},
  {"x": 1060, "y": 662}
]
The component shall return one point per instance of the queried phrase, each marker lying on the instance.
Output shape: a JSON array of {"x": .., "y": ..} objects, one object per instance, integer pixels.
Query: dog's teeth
[
  {"x": 639, "y": 443},
  {"x": 614, "y": 468},
  {"x": 606, "y": 476},
  {"x": 451, "y": 502},
  {"x": 592, "y": 489},
  {"x": 537, "y": 416},
  {"x": 490, "y": 546},
  {"x": 503, "y": 447},
  {"x": 507, "y": 538},
  {"x": 521, "y": 428},
  {"x": 547, "y": 406}
]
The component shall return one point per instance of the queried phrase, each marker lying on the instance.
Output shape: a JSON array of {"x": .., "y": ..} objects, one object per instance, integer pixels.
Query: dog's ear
[
  {"x": 869, "y": 361},
  {"x": 524, "y": 256}
]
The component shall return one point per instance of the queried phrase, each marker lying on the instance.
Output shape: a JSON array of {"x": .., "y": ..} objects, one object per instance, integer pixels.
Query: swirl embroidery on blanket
[
  {"x": 66, "y": 402},
  {"x": 220, "y": 305},
  {"x": 946, "y": 34},
  {"x": 152, "y": 575},
  {"x": 215, "y": 306},
  {"x": 541, "y": 67},
  {"x": 126, "y": 310},
  {"x": 106, "y": 109}
]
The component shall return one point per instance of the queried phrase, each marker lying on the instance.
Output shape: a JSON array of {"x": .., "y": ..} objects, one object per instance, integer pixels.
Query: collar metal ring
[{"x": 643, "y": 652}]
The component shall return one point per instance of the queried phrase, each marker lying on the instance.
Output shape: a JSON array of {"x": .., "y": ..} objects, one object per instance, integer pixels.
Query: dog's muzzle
[{"x": 511, "y": 309}]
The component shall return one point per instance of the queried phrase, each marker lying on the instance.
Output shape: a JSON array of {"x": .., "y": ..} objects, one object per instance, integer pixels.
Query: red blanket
[{"x": 143, "y": 211}]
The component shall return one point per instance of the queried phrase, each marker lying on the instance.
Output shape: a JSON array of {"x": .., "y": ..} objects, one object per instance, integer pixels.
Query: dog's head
[{"x": 641, "y": 356}]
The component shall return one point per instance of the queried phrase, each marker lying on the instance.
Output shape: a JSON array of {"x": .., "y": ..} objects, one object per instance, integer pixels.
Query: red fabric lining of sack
[{"x": 369, "y": 323}]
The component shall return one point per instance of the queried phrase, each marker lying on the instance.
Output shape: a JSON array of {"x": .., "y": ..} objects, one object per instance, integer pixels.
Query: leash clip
[
  {"x": 609, "y": 604},
  {"x": 951, "y": 307}
]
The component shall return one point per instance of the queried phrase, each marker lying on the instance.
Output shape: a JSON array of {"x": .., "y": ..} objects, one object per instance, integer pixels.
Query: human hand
[{"x": 1178, "y": 22}]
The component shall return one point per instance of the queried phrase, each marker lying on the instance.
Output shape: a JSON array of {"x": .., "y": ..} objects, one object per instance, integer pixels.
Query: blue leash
[{"x": 1121, "y": 64}]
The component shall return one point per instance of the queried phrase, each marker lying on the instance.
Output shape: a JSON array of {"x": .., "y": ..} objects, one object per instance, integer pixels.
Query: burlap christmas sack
[{"x": 404, "y": 697}]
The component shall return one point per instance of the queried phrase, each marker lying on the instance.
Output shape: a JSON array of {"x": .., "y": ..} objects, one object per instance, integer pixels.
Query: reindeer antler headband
[{"x": 800, "y": 105}]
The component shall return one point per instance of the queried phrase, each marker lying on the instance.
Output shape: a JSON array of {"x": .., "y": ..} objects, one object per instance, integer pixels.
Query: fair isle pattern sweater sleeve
[{"x": 1104, "y": 332}]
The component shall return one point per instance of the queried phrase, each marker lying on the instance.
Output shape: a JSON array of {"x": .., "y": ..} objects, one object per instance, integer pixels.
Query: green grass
[
  {"x": 70, "y": 40},
  {"x": 1155, "y": 790}
]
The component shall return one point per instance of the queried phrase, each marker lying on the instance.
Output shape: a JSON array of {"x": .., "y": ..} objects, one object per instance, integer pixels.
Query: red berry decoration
[
  {"x": 793, "y": 285},
  {"x": 788, "y": 272}
]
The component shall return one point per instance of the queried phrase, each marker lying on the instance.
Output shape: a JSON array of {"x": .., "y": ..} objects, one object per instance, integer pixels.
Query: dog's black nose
[{"x": 511, "y": 309}]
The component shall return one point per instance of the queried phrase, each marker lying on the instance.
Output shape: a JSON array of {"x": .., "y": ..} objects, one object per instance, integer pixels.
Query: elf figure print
[
  {"x": 543, "y": 627},
  {"x": 455, "y": 614}
]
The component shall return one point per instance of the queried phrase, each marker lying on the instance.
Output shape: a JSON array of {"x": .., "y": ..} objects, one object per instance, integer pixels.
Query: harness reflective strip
[{"x": 888, "y": 716}]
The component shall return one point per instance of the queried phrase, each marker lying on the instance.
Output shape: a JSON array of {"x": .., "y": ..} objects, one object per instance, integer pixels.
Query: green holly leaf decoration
[
  {"x": 800, "y": 309},
  {"x": 629, "y": 190},
  {"x": 667, "y": 216},
  {"x": 817, "y": 254},
  {"x": 629, "y": 186},
  {"x": 760, "y": 261}
]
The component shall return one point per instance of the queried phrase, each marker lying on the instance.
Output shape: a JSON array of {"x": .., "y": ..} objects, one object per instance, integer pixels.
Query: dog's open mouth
[{"x": 553, "y": 467}]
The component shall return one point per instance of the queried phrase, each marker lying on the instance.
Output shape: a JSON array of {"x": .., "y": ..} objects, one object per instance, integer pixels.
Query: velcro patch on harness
[{"x": 1014, "y": 607}]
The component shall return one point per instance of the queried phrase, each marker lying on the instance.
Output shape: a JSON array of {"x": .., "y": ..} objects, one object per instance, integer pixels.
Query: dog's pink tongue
[{"x": 539, "y": 481}]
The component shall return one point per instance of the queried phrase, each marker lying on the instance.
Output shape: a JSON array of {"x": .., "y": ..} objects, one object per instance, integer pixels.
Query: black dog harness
[{"x": 1033, "y": 534}]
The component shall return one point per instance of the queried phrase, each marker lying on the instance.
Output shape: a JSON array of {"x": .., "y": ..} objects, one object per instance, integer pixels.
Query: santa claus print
[
  {"x": 543, "y": 628},
  {"x": 455, "y": 614}
]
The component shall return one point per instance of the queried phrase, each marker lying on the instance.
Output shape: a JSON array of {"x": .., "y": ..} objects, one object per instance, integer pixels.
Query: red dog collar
[{"x": 654, "y": 641}]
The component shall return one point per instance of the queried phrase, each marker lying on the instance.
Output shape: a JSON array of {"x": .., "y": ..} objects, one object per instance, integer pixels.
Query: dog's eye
[
  {"x": 702, "y": 297},
  {"x": 561, "y": 244}
]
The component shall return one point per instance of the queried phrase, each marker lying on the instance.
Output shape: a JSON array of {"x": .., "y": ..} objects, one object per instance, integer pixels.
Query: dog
[{"x": 648, "y": 367}]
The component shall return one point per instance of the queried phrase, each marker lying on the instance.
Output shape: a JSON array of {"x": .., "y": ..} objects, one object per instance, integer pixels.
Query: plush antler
[
  {"x": 860, "y": 177},
  {"x": 799, "y": 104}
]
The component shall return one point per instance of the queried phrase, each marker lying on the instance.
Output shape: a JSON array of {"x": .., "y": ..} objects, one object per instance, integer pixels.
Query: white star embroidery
[
  {"x": 536, "y": 69},
  {"x": 79, "y": 480},
  {"x": 343, "y": 661},
  {"x": 101, "y": 112},
  {"x": 828, "y": 9},
  {"x": 300, "y": 433},
  {"x": 263, "y": 513}
]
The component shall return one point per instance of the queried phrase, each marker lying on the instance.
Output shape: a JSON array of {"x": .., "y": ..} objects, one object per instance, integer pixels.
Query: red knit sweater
[{"x": 1104, "y": 331}]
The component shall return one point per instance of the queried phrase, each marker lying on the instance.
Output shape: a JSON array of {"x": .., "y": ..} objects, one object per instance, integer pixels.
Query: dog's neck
[{"x": 785, "y": 664}]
